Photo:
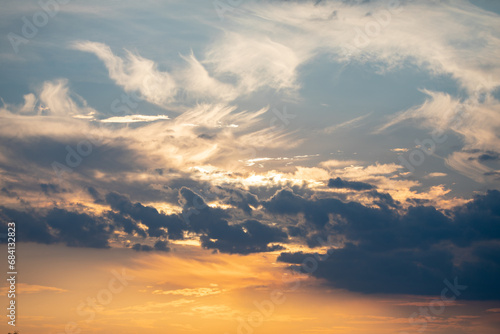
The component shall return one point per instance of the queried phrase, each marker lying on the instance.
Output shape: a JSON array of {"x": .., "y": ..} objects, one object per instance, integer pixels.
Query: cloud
[
  {"x": 373, "y": 228},
  {"x": 435, "y": 175},
  {"x": 475, "y": 120},
  {"x": 191, "y": 82},
  {"x": 129, "y": 226},
  {"x": 49, "y": 188},
  {"x": 353, "y": 185},
  {"x": 248, "y": 237},
  {"x": 493, "y": 310},
  {"x": 256, "y": 61},
  {"x": 134, "y": 73},
  {"x": 144, "y": 248},
  {"x": 348, "y": 124},
  {"x": 133, "y": 119},
  {"x": 95, "y": 195},
  {"x": 35, "y": 229},
  {"x": 58, "y": 225},
  {"x": 24, "y": 288},
  {"x": 384, "y": 251},
  {"x": 478, "y": 272},
  {"x": 198, "y": 83},
  {"x": 241, "y": 199},
  {"x": 370, "y": 242},
  {"x": 440, "y": 37},
  {"x": 40, "y": 152},
  {"x": 214, "y": 136},
  {"x": 55, "y": 99},
  {"x": 399, "y": 150},
  {"x": 392, "y": 272},
  {"x": 79, "y": 229},
  {"x": 197, "y": 292},
  {"x": 251, "y": 236},
  {"x": 161, "y": 245},
  {"x": 460, "y": 161},
  {"x": 158, "y": 224},
  {"x": 338, "y": 163}
]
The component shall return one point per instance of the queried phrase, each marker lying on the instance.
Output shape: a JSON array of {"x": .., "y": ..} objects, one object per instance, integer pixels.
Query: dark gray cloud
[
  {"x": 158, "y": 224},
  {"x": 338, "y": 183},
  {"x": 215, "y": 226},
  {"x": 385, "y": 227},
  {"x": 393, "y": 272},
  {"x": 248, "y": 237},
  {"x": 142, "y": 248},
  {"x": 408, "y": 253},
  {"x": 243, "y": 200},
  {"x": 79, "y": 229},
  {"x": 30, "y": 227},
  {"x": 478, "y": 219},
  {"x": 384, "y": 199},
  {"x": 160, "y": 246},
  {"x": 95, "y": 195},
  {"x": 481, "y": 274},
  {"x": 58, "y": 225},
  {"x": 245, "y": 238},
  {"x": 129, "y": 226},
  {"x": 483, "y": 156},
  {"x": 48, "y": 188},
  {"x": 382, "y": 249}
]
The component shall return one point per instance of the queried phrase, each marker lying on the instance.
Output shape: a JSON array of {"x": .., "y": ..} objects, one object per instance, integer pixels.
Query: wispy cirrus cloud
[
  {"x": 475, "y": 120},
  {"x": 134, "y": 119},
  {"x": 24, "y": 288},
  {"x": 196, "y": 292},
  {"x": 134, "y": 73}
]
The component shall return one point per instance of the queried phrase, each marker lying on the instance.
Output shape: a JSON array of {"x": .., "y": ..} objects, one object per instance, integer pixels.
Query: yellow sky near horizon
[{"x": 191, "y": 290}]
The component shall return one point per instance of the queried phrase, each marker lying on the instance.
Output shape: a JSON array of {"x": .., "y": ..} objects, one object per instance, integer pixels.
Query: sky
[{"x": 251, "y": 166}]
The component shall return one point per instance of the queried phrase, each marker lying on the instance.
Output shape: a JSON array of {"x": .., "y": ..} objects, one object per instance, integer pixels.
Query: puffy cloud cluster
[
  {"x": 383, "y": 251},
  {"x": 382, "y": 248}
]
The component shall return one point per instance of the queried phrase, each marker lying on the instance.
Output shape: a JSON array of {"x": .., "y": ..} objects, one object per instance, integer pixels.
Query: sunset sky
[{"x": 247, "y": 166}]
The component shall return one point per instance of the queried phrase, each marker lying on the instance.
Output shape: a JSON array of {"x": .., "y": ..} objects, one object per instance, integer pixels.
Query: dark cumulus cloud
[
  {"x": 217, "y": 233},
  {"x": 128, "y": 225},
  {"x": 248, "y": 237},
  {"x": 59, "y": 226},
  {"x": 243, "y": 200},
  {"x": 317, "y": 212},
  {"x": 79, "y": 229},
  {"x": 30, "y": 227},
  {"x": 216, "y": 227},
  {"x": 160, "y": 245},
  {"x": 383, "y": 199},
  {"x": 338, "y": 183},
  {"x": 386, "y": 251},
  {"x": 156, "y": 222},
  {"x": 393, "y": 272}
]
